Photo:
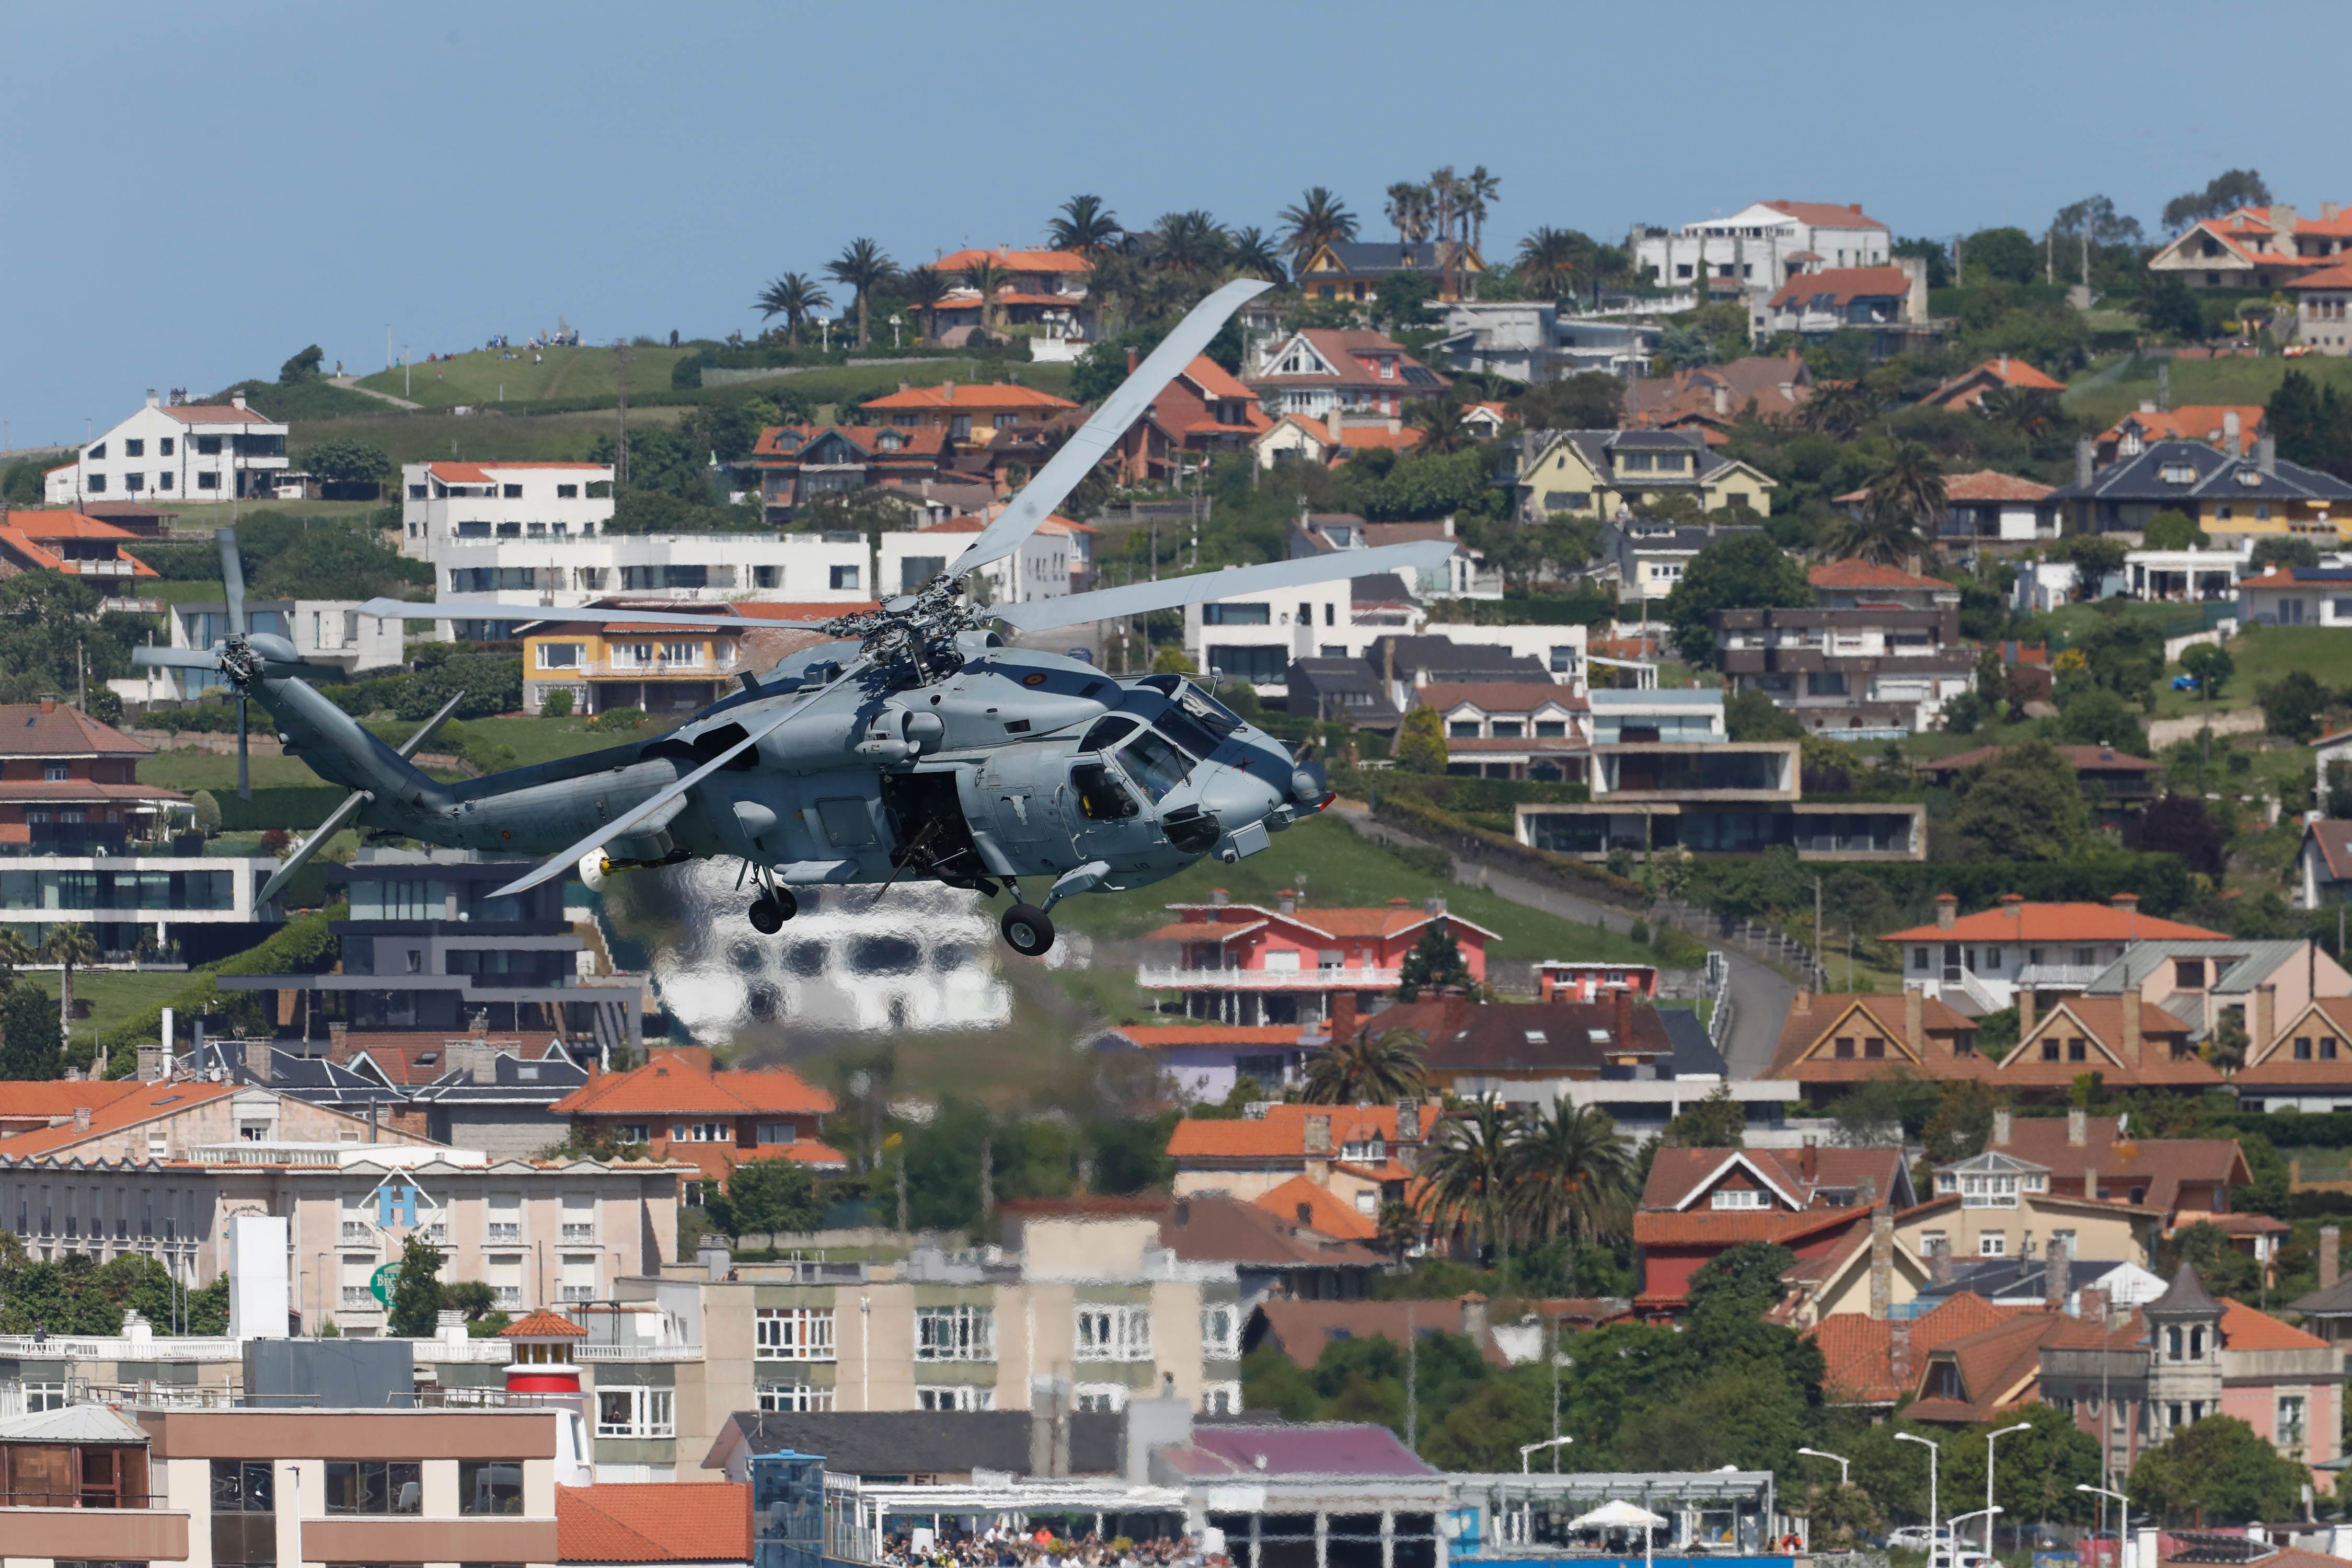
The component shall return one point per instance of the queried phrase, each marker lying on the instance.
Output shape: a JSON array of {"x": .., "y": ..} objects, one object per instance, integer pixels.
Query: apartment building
[
  {"x": 83, "y": 842},
  {"x": 1761, "y": 245},
  {"x": 1245, "y": 964},
  {"x": 445, "y": 503},
  {"x": 330, "y": 632},
  {"x": 184, "y": 453},
  {"x": 1876, "y": 659},
  {"x": 1713, "y": 798},
  {"x": 798, "y": 569}
]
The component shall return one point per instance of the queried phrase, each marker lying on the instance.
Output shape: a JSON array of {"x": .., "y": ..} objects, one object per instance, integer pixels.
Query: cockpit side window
[
  {"x": 1108, "y": 732},
  {"x": 1155, "y": 764},
  {"x": 1211, "y": 714},
  {"x": 1102, "y": 796},
  {"x": 1186, "y": 733}
]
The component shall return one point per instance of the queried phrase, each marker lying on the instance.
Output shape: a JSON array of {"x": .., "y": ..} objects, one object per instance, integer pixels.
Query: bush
[
  {"x": 616, "y": 720},
  {"x": 208, "y": 811},
  {"x": 556, "y": 704},
  {"x": 104, "y": 704}
]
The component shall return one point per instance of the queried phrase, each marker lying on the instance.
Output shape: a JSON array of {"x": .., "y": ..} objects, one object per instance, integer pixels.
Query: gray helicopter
[{"x": 915, "y": 743}]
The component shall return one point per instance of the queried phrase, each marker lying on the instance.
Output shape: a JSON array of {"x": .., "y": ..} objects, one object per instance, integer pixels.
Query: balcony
[
  {"x": 1174, "y": 977},
  {"x": 657, "y": 669},
  {"x": 140, "y": 1532}
]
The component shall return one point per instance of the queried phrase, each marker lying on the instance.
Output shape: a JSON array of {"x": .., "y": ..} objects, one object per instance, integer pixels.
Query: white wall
[
  {"x": 168, "y": 465},
  {"x": 433, "y": 510}
]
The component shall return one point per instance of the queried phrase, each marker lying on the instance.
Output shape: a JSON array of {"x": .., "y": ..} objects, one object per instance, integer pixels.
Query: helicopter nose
[{"x": 1234, "y": 797}]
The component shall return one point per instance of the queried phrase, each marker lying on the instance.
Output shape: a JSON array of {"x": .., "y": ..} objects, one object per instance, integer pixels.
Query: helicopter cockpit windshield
[
  {"x": 1196, "y": 704},
  {"x": 1153, "y": 759}
]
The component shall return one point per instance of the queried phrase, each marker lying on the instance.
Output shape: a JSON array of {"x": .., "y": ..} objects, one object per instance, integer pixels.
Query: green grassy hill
[
  {"x": 2107, "y": 393},
  {"x": 477, "y": 379}
]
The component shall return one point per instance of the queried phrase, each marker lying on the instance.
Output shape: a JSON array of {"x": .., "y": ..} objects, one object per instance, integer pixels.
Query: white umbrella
[{"x": 1615, "y": 1514}]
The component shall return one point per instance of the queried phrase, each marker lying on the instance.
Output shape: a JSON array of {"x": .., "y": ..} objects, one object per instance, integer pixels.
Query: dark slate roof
[
  {"x": 2140, "y": 479},
  {"x": 1379, "y": 588},
  {"x": 2012, "y": 1278},
  {"x": 1441, "y": 657},
  {"x": 2332, "y": 1301},
  {"x": 1372, "y": 257},
  {"x": 1335, "y": 674},
  {"x": 1694, "y": 1052},
  {"x": 1321, "y": 1448},
  {"x": 928, "y": 1442},
  {"x": 1595, "y": 446},
  {"x": 2186, "y": 1297}
]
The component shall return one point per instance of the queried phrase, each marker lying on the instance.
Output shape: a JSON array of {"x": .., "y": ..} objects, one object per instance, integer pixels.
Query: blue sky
[{"x": 195, "y": 192}]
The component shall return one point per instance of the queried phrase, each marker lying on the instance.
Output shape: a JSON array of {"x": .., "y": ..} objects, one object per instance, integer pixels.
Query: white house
[
  {"x": 1532, "y": 341},
  {"x": 569, "y": 572},
  {"x": 2296, "y": 596},
  {"x": 1041, "y": 568},
  {"x": 1762, "y": 246},
  {"x": 446, "y": 503},
  {"x": 181, "y": 453},
  {"x": 1254, "y": 636},
  {"x": 325, "y": 631}
]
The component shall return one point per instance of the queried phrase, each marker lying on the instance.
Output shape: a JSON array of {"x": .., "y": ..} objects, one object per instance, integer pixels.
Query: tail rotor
[{"x": 241, "y": 654}]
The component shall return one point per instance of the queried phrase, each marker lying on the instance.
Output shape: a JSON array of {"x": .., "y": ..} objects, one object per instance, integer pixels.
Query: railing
[
  {"x": 636, "y": 1352},
  {"x": 658, "y": 669},
  {"x": 262, "y": 1154},
  {"x": 1172, "y": 977},
  {"x": 118, "y": 1347},
  {"x": 1978, "y": 992},
  {"x": 2058, "y": 976}
]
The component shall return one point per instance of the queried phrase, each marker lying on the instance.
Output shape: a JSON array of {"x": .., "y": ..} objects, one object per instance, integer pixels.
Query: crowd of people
[{"x": 1039, "y": 1547}]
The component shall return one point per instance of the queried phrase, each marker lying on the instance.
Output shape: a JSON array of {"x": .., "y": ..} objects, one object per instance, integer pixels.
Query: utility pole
[
  {"x": 1412, "y": 1381},
  {"x": 621, "y": 447},
  {"x": 1821, "y": 975}
]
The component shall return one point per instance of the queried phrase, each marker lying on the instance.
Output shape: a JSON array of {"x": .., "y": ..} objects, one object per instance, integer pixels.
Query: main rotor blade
[
  {"x": 174, "y": 658},
  {"x": 425, "y": 732},
  {"x": 549, "y": 615},
  {"x": 1100, "y": 433},
  {"x": 1140, "y": 598},
  {"x": 620, "y": 825},
  {"x": 312, "y": 844},
  {"x": 244, "y": 777},
  {"x": 232, "y": 577}
]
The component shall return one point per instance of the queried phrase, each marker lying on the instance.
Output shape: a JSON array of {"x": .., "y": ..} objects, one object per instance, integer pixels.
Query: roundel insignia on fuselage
[{"x": 1035, "y": 678}]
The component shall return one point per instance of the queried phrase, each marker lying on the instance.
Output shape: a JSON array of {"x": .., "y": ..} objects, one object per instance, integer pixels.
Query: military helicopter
[{"x": 915, "y": 743}]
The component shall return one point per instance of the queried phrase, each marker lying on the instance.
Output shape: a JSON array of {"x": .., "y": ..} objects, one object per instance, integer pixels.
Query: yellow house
[
  {"x": 661, "y": 669},
  {"x": 1598, "y": 473},
  {"x": 1354, "y": 269}
]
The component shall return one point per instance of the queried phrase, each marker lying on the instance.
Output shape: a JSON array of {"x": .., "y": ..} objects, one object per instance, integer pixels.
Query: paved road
[
  {"x": 352, "y": 383},
  {"x": 1760, "y": 995}
]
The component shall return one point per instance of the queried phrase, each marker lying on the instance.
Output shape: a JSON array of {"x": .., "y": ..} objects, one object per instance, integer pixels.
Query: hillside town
[{"x": 1686, "y": 890}]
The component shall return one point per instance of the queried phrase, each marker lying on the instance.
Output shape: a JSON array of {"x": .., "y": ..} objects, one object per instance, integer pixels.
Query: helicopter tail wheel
[
  {"x": 1027, "y": 930},
  {"x": 771, "y": 908}
]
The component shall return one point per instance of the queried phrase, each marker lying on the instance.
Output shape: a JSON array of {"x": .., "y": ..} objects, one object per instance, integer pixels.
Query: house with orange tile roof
[
  {"x": 2232, "y": 427},
  {"x": 2256, "y": 248},
  {"x": 1985, "y": 509},
  {"x": 972, "y": 415},
  {"x": 2187, "y": 1181},
  {"x": 1699, "y": 1202},
  {"x": 799, "y": 463},
  {"x": 90, "y": 552},
  {"x": 1833, "y": 1042},
  {"x": 1246, "y": 964},
  {"x": 1364, "y": 1154},
  {"x": 1331, "y": 440},
  {"x": 1773, "y": 387},
  {"x": 637, "y": 1524},
  {"x": 1977, "y": 962},
  {"x": 1040, "y": 288},
  {"x": 1529, "y": 732},
  {"x": 2125, "y": 1041},
  {"x": 1967, "y": 390},
  {"x": 1889, "y": 303},
  {"x": 2323, "y": 310},
  {"x": 452, "y": 502},
  {"x": 1203, "y": 416},
  {"x": 1322, "y": 372},
  {"x": 1873, "y": 1361},
  {"x": 186, "y": 453},
  {"x": 2306, "y": 1065},
  {"x": 1204, "y": 1061},
  {"x": 681, "y": 1106}
]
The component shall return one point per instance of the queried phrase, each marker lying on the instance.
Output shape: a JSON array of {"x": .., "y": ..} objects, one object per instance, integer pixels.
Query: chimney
[
  {"x": 1722, "y": 402},
  {"x": 905, "y": 387},
  {"x": 1915, "y": 1023},
  {"x": 236, "y": 400},
  {"x": 338, "y": 1040},
  {"x": 2131, "y": 1027},
  {"x": 2127, "y": 903},
  {"x": 2258, "y": 1038},
  {"x": 1318, "y": 1137},
  {"x": 2229, "y": 431},
  {"x": 2093, "y": 1305},
  {"x": 1882, "y": 1264},
  {"x": 2330, "y": 1254},
  {"x": 151, "y": 397},
  {"x": 1808, "y": 1163},
  {"x": 257, "y": 1064},
  {"x": 1804, "y": 1000},
  {"x": 49, "y": 704},
  {"x": 2327, "y": 211},
  {"x": 1939, "y": 1260},
  {"x": 1898, "y": 1351},
  {"x": 1948, "y": 911},
  {"x": 1865, "y": 1189},
  {"x": 1621, "y": 1029},
  {"x": 1131, "y": 361},
  {"x": 82, "y": 1118},
  {"x": 947, "y": 391},
  {"x": 2001, "y": 1128},
  {"x": 1049, "y": 1428},
  {"x": 1343, "y": 1014},
  {"x": 1219, "y": 896},
  {"x": 2282, "y": 229},
  {"x": 2083, "y": 452},
  {"x": 2267, "y": 454},
  {"x": 153, "y": 1062},
  {"x": 2078, "y": 1128},
  {"x": 2056, "y": 1281},
  {"x": 1407, "y": 1122},
  {"x": 2091, "y": 1183},
  {"x": 1433, "y": 905},
  {"x": 2004, "y": 367},
  {"x": 1287, "y": 901},
  {"x": 1473, "y": 1318},
  {"x": 2024, "y": 1011}
]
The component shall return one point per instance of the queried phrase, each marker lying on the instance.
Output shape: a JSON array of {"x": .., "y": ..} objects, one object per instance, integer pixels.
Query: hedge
[
  {"x": 2160, "y": 881},
  {"x": 295, "y": 807},
  {"x": 305, "y": 945}
]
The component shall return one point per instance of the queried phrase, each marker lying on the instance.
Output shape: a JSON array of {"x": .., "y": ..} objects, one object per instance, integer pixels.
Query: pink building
[
  {"x": 1581, "y": 979},
  {"x": 1245, "y": 963}
]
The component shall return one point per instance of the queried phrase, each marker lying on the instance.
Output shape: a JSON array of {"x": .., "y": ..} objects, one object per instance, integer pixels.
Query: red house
[
  {"x": 1701, "y": 1202},
  {"x": 1245, "y": 963}
]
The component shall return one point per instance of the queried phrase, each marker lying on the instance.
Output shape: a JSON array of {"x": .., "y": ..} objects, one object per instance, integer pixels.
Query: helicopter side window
[
  {"x": 1102, "y": 796},
  {"x": 1210, "y": 713},
  {"x": 1185, "y": 733},
  {"x": 1155, "y": 764},
  {"x": 1108, "y": 732}
]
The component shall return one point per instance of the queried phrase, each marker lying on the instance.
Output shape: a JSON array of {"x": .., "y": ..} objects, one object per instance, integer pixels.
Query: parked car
[{"x": 1918, "y": 1537}]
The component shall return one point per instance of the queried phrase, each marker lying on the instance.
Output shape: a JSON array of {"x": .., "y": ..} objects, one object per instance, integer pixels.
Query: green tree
[
  {"x": 208, "y": 811},
  {"x": 766, "y": 1196},
  {"x": 70, "y": 946},
  {"x": 1575, "y": 1175},
  {"x": 1469, "y": 1172},
  {"x": 1084, "y": 223},
  {"x": 2292, "y": 706},
  {"x": 1172, "y": 661},
  {"x": 2222, "y": 195},
  {"x": 2101, "y": 718},
  {"x": 795, "y": 296},
  {"x": 556, "y": 704},
  {"x": 1588, "y": 400},
  {"x": 1367, "y": 1070},
  {"x": 2283, "y": 552},
  {"x": 1749, "y": 715},
  {"x": 303, "y": 366},
  {"x": 2007, "y": 256},
  {"x": 862, "y": 266},
  {"x": 1421, "y": 742},
  {"x": 416, "y": 1294},
  {"x": 1433, "y": 963},
  {"x": 2216, "y": 1470},
  {"x": 1718, "y": 1122},
  {"x": 346, "y": 462},
  {"x": 1746, "y": 571},
  {"x": 1547, "y": 260},
  {"x": 2023, "y": 805},
  {"x": 1906, "y": 501},
  {"x": 32, "y": 1042},
  {"x": 2170, "y": 307},
  {"x": 2211, "y": 666},
  {"x": 2171, "y": 530}
]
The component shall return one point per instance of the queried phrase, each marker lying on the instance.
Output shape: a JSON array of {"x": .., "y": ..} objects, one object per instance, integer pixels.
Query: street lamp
[
  {"x": 1935, "y": 1453},
  {"x": 1844, "y": 1465},
  {"x": 2123, "y": 1523},
  {"x": 1553, "y": 1443},
  {"x": 895, "y": 320},
  {"x": 2021, "y": 1427}
]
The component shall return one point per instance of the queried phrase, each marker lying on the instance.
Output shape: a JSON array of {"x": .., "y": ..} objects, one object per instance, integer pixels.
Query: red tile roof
[
  {"x": 2244, "y": 1329},
  {"x": 1393, "y": 919},
  {"x": 1870, "y": 574},
  {"x": 1826, "y": 214},
  {"x": 1990, "y": 485},
  {"x": 2162, "y": 1163},
  {"x": 1301, "y": 1330},
  {"x": 152, "y": 1101},
  {"x": 2203, "y": 422},
  {"x": 2056, "y": 923},
  {"x": 60, "y": 730},
  {"x": 2101, "y": 1022},
  {"x": 1281, "y": 1133},
  {"x": 28, "y": 1099},
  {"x": 1677, "y": 1176},
  {"x": 2338, "y": 276},
  {"x": 962, "y": 261},
  {"x": 542, "y": 1324},
  {"x": 654, "y": 1521},
  {"x": 1721, "y": 1228},
  {"x": 1843, "y": 285},
  {"x": 1318, "y": 1208},
  {"x": 965, "y": 396},
  {"x": 2334, "y": 836},
  {"x": 684, "y": 1083},
  {"x": 1858, "y": 1352},
  {"x": 1500, "y": 696},
  {"x": 1168, "y": 1037}
]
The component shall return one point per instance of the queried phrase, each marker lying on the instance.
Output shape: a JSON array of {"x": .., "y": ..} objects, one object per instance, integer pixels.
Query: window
[
  {"x": 375, "y": 1487},
  {"x": 506, "y": 1278},
  {"x": 206, "y": 481},
  {"x": 2291, "y": 1422},
  {"x": 577, "y": 1281},
  {"x": 560, "y": 654},
  {"x": 133, "y": 447},
  {"x": 1101, "y": 1396},
  {"x": 631, "y": 1132},
  {"x": 1237, "y": 615},
  {"x": 1219, "y": 1333},
  {"x": 701, "y": 1132},
  {"x": 1844, "y": 1049},
  {"x": 164, "y": 447},
  {"x": 40, "y": 1397},
  {"x": 504, "y": 1219},
  {"x": 95, "y": 484},
  {"x": 1736, "y": 1199},
  {"x": 495, "y": 1485},
  {"x": 2303, "y": 1047},
  {"x": 794, "y": 1333},
  {"x": 416, "y": 493},
  {"x": 1551, "y": 729},
  {"x": 794, "y": 1396},
  {"x": 1992, "y": 1244},
  {"x": 955, "y": 1333},
  {"x": 953, "y": 1396},
  {"x": 579, "y": 1216},
  {"x": 845, "y": 577},
  {"x": 56, "y": 773},
  {"x": 686, "y": 653},
  {"x": 778, "y": 1133},
  {"x": 634, "y": 1413},
  {"x": 511, "y": 492},
  {"x": 1930, "y": 1240}
]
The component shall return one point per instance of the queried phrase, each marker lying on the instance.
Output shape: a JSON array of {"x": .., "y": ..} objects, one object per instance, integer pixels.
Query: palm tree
[
  {"x": 2031, "y": 412},
  {"x": 1839, "y": 408},
  {"x": 1192, "y": 242},
  {"x": 1576, "y": 1177},
  {"x": 1256, "y": 255},
  {"x": 67, "y": 945},
  {"x": 863, "y": 266},
  {"x": 795, "y": 297},
  {"x": 926, "y": 287},
  {"x": 13, "y": 957},
  {"x": 1085, "y": 225},
  {"x": 1408, "y": 209},
  {"x": 1439, "y": 420},
  {"x": 1907, "y": 488},
  {"x": 1878, "y": 536},
  {"x": 1317, "y": 218},
  {"x": 1470, "y": 1170},
  {"x": 1478, "y": 189},
  {"x": 987, "y": 276},
  {"x": 1365, "y": 1069},
  {"x": 1547, "y": 257}
]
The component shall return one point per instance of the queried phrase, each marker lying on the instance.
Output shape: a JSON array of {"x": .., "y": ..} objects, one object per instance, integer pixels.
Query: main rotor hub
[{"x": 239, "y": 661}]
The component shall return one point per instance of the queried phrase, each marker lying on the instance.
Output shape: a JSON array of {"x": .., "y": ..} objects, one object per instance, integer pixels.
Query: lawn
[
  {"x": 113, "y": 995},
  {"x": 189, "y": 769},
  {"x": 477, "y": 379},
  {"x": 433, "y": 437},
  {"x": 2104, "y": 398}
]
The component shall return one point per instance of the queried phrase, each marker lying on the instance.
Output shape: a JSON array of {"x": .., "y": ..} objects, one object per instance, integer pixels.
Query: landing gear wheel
[
  {"x": 772, "y": 909},
  {"x": 1027, "y": 930}
]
